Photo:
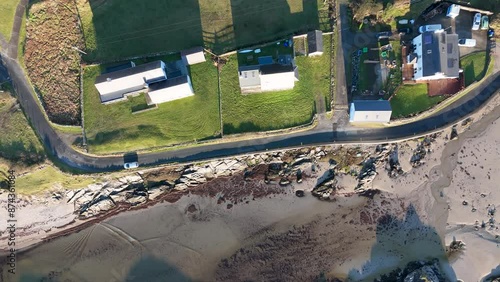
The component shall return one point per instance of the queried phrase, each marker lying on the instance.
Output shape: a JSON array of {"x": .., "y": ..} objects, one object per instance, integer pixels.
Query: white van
[{"x": 429, "y": 27}]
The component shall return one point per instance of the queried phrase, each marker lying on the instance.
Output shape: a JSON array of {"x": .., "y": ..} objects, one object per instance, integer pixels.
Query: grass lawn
[
  {"x": 18, "y": 141},
  {"x": 7, "y": 12},
  {"x": 113, "y": 127},
  {"x": 367, "y": 75},
  {"x": 474, "y": 67},
  {"x": 412, "y": 99},
  {"x": 273, "y": 50},
  {"x": 280, "y": 109},
  {"x": 115, "y": 29},
  {"x": 48, "y": 178}
]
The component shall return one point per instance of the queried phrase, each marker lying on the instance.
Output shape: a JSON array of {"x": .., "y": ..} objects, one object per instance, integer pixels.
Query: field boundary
[{"x": 277, "y": 131}]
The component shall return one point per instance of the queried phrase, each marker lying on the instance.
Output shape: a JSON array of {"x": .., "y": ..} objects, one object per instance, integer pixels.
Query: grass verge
[
  {"x": 113, "y": 128},
  {"x": 47, "y": 178},
  {"x": 280, "y": 109},
  {"x": 412, "y": 99},
  {"x": 18, "y": 141},
  {"x": 7, "y": 13}
]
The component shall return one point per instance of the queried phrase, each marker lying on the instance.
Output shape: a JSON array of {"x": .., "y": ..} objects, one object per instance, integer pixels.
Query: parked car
[
  {"x": 430, "y": 27},
  {"x": 476, "y": 22},
  {"x": 484, "y": 22},
  {"x": 405, "y": 30},
  {"x": 131, "y": 165},
  {"x": 467, "y": 42},
  {"x": 491, "y": 33}
]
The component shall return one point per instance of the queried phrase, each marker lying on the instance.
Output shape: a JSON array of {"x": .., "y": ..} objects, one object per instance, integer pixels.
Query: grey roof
[
  {"x": 119, "y": 67},
  {"x": 249, "y": 76},
  {"x": 430, "y": 54},
  {"x": 450, "y": 61},
  {"x": 168, "y": 83},
  {"x": 129, "y": 71},
  {"x": 371, "y": 105},
  {"x": 440, "y": 54},
  {"x": 249, "y": 68},
  {"x": 315, "y": 41},
  {"x": 275, "y": 68}
]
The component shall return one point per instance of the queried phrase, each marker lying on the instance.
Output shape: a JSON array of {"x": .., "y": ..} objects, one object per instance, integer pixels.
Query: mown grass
[
  {"x": 7, "y": 13},
  {"x": 18, "y": 142},
  {"x": 412, "y": 99},
  {"x": 113, "y": 128},
  {"x": 280, "y": 109},
  {"x": 474, "y": 66},
  {"x": 47, "y": 178},
  {"x": 115, "y": 29}
]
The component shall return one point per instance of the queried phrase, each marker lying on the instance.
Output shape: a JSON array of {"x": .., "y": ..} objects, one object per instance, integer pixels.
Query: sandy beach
[{"x": 263, "y": 231}]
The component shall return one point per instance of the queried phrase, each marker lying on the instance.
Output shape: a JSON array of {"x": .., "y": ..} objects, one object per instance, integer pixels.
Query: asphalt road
[{"x": 317, "y": 136}]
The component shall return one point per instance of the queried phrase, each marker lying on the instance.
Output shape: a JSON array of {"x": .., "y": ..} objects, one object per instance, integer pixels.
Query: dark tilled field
[{"x": 51, "y": 60}]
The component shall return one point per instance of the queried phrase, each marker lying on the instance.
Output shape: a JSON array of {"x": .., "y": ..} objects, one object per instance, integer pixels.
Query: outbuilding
[
  {"x": 278, "y": 77},
  {"x": 370, "y": 111},
  {"x": 315, "y": 43},
  {"x": 170, "y": 90},
  {"x": 193, "y": 56}
]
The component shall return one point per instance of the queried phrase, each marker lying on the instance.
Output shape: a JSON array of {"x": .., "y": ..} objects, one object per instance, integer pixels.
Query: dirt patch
[{"x": 51, "y": 59}]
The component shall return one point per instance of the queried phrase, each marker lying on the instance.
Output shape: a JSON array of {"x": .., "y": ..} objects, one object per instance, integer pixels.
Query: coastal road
[{"x": 317, "y": 136}]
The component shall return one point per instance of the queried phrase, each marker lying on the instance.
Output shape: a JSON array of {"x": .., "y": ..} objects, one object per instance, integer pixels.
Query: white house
[
  {"x": 115, "y": 85},
  {"x": 193, "y": 56},
  {"x": 370, "y": 111},
  {"x": 434, "y": 56},
  {"x": 272, "y": 77},
  {"x": 169, "y": 90},
  {"x": 277, "y": 77},
  {"x": 315, "y": 43}
]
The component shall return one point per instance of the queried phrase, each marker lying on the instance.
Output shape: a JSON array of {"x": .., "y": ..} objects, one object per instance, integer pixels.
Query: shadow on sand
[{"x": 402, "y": 242}]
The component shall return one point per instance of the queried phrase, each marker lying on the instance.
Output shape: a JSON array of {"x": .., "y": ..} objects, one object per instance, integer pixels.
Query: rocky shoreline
[{"x": 231, "y": 181}]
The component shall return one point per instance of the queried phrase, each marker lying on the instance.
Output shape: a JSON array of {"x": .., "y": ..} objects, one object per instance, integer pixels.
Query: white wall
[
  {"x": 277, "y": 81},
  {"x": 171, "y": 93},
  {"x": 375, "y": 116},
  {"x": 117, "y": 87}
]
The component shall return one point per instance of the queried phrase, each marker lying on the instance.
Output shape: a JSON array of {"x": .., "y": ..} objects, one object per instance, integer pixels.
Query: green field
[
  {"x": 113, "y": 127},
  {"x": 7, "y": 12},
  {"x": 18, "y": 142},
  {"x": 474, "y": 67},
  {"x": 115, "y": 29},
  {"x": 280, "y": 109},
  {"x": 412, "y": 99}
]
